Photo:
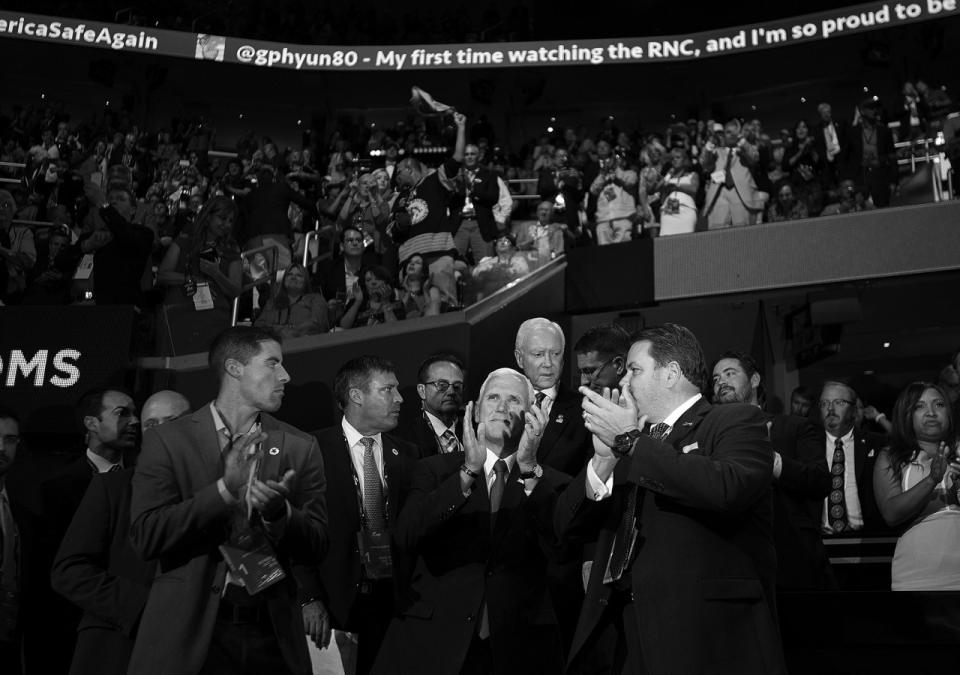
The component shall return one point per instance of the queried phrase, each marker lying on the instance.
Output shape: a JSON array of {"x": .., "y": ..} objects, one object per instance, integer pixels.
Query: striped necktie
[{"x": 376, "y": 518}]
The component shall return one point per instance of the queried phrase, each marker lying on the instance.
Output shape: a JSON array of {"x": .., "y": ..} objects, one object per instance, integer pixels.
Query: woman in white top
[
  {"x": 678, "y": 207},
  {"x": 916, "y": 483}
]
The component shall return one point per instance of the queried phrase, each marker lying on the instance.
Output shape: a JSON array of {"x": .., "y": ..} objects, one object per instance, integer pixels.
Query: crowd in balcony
[{"x": 105, "y": 211}]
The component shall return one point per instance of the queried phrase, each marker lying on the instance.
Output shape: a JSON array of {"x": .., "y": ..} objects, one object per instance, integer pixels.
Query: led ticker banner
[
  {"x": 49, "y": 356},
  {"x": 779, "y": 33}
]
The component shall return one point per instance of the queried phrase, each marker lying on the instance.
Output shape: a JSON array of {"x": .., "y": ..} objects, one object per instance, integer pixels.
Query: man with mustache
[
  {"x": 363, "y": 578},
  {"x": 439, "y": 426},
  {"x": 224, "y": 499},
  {"x": 851, "y": 454},
  {"x": 801, "y": 478},
  {"x": 480, "y": 523}
]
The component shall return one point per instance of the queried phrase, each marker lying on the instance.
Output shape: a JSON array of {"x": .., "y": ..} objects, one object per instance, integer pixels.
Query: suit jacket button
[{"x": 470, "y": 618}]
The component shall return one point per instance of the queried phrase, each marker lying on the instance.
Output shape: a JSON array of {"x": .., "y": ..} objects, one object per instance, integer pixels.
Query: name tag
[
  {"x": 375, "y": 554},
  {"x": 203, "y": 299}
]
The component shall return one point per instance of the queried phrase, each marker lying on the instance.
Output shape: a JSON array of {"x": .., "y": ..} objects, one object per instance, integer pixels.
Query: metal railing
[
  {"x": 253, "y": 283},
  {"x": 940, "y": 172}
]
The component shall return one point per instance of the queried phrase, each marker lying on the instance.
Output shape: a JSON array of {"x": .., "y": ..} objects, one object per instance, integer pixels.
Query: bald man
[{"x": 162, "y": 407}]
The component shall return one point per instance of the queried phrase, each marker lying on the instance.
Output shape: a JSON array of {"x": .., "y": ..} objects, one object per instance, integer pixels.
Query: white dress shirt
[
  {"x": 356, "y": 450},
  {"x": 850, "y": 492},
  {"x": 597, "y": 490}
]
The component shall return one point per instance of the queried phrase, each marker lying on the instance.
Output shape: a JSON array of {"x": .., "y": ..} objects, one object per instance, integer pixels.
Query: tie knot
[
  {"x": 500, "y": 468},
  {"x": 658, "y": 431},
  {"x": 538, "y": 399},
  {"x": 367, "y": 443},
  {"x": 838, "y": 444}
]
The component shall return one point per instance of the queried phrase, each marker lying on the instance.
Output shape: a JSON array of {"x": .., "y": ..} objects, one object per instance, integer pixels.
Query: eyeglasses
[
  {"x": 443, "y": 385},
  {"x": 838, "y": 403},
  {"x": 596, "y": 371}
]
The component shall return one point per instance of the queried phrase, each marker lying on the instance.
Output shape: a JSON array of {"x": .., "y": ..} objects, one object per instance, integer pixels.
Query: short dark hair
[
  {"x": 90, "y": 403},
  {"x": 347, "y": 228},
  {"x": 607, "y": 339},
  {"x": 445, "y": 357},
  {"x": 356, "y": 374},
  {"x": 240, "y": 343},
  {"x": 803, "y": 392},
  {"x": 9, "y": 414},
  {"x": 673, "y": 342},
  {"x": 750, "y": 367}
]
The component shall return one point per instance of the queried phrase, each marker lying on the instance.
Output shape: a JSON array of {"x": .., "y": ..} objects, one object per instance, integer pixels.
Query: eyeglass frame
[
  {"x": 838, "y": 403},
  {"x": 442, "y": 385}
]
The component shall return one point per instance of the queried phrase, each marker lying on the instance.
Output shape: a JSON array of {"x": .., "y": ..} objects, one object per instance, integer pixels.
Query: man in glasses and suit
[
  {"x": 436, "y": 428},
  {"x": 601, "y": 356}
]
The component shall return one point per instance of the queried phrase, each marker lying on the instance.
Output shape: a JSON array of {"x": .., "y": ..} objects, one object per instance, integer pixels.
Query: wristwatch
[
  {"x": 622, "y": 443},
  {"x": 470, "y": 474},
  {"x": 536, "y": 472}
]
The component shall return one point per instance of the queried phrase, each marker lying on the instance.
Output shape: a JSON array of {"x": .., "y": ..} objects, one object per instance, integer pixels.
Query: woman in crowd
[
  {"x": 417, "y": 297},
  {"x": 295, "y": 310},
  {"x": 374, "y": 302},
  {"x": 678, "y": 207},
  {"x": 507, "y": 264},
  {"x": 786, "y": 206},
  {"x": 915, "y": 481},
  {"x": 203, "y": 269}
]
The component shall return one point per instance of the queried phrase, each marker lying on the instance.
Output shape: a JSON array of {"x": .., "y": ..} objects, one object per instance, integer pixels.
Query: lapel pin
[
  {"x": 274, "y": 451},
  {"x": 687, "y": 424},
  {"x": 559, "y": 419},
  {"x": 397, "y": 454}
]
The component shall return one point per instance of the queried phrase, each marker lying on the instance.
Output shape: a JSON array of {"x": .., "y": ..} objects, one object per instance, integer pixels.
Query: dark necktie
[
  {"x": 728, "y": 181},
  {"x": 376, "y": 519},
  {"x": 538, "y": 399},
  {"x": 496, "y": 489},
  {"x": 115, "y": 467},
  {"x": 623, "y": 545},
  {"x": 838, "y": 504}
]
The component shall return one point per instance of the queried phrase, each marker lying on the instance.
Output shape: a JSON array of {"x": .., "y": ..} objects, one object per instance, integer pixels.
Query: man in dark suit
[
  {"x": 96, "y": 567},
  {"x": 337, "y": 276},
  {"x": 851, "y": 455},
  {"x": 602, "y": 355},
  {"x": 830, "y": 141},
  {"x": 437, "y": 426},
  {"x": 801, "y": 478},
  {"x": 207, "y": 489},
  {"x": 480, "y": 521},
  {"x": 363, "y": 578},
  {"x": 11, "y": 558},
  {"x": 683, "y": 574},
  {"x": 109, "y": 420},
  {"x": 870, "y": 156}
]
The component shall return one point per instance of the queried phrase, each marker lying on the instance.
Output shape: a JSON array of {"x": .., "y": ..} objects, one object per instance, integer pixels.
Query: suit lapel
[
  {"x": 393, "y": 474},
  {"x": 209, "y": 441},
  {"x": 272, "y": 458},
  {"x": 560, "y": 416},
  {"x": 860, "y": 449},
  {"x": 687, "y": 423}
]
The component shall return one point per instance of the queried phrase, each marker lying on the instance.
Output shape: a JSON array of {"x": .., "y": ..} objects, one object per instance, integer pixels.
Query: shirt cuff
[
  {"x": 225, "y": 493},
  {"x": 777, "y": 464},
  {"x": 597, "y": 490}
]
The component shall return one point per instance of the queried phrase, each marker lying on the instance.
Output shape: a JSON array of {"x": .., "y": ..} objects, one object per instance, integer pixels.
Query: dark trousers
[
  {"x": 244, "y": 641},
  {"x": 10, "y": 657},
  {"x": 369, "y": 618},
  {"x": 614, "y": 646}
]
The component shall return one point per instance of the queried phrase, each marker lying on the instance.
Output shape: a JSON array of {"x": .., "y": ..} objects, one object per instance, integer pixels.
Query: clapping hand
[
  {"x": 243, "y": 453},
  {"x": 608, "y": 415},
  {"x": 534, "y": 423},
  {"x": 269, "y": 498},
  {"x": 474, "y": 448}
]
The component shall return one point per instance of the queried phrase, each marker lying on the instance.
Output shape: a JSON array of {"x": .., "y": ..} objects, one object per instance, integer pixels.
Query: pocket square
[
  {"x": 690, "y": 448},
  {"x": 871, "y": 453}
]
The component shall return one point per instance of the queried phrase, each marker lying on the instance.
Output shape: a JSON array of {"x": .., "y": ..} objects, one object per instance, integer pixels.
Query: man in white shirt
[
  {"x": 683, "y": 569},
  {"x": 850, "y": 454},
  {"x": 437, "y": 427},
  {"x": 364, "y": 576},
  {"x": 480, "y": 521}
]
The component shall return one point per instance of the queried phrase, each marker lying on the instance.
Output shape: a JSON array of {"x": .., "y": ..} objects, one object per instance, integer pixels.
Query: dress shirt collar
[
  {"x": 492, "y": 458},
  {"x": 846, "y": 438},
  {"x": 100, "y": 464},
  {"x": 353, "y": 436},
  {"x": 222, "y": 427},
  {"x": 438, "y": 426},
  {"x": 550, "y": 393},
  {"x": 671, "y": 419}
]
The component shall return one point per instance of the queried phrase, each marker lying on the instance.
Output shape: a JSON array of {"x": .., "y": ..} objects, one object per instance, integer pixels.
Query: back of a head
[
  {"x": 356, "y": 374},
  {"x": 673, "y": 342},
  {"x": 239, "y": 343}
]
